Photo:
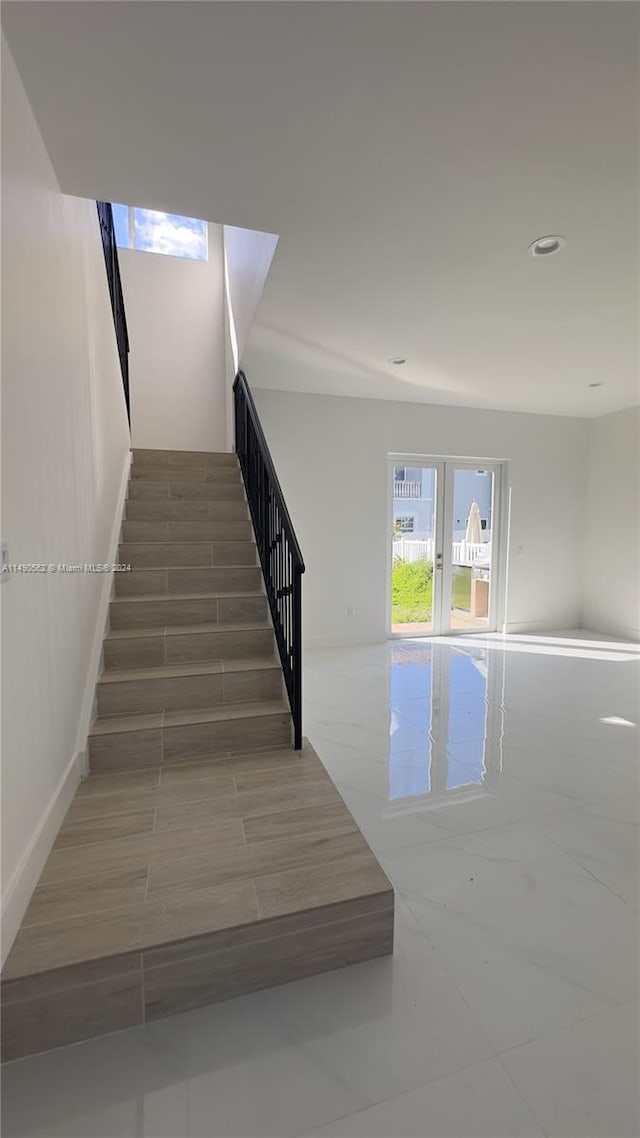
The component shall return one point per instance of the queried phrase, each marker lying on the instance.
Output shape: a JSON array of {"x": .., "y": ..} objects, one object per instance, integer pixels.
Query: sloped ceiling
[{"x": 406, "y": 154}]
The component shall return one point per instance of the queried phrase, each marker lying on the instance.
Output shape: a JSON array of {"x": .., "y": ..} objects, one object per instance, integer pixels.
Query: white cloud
[{"x": 165, "y": 233}]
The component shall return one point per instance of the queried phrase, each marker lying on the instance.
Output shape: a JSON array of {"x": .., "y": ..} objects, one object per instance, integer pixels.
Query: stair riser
[
  {"x": 167, "y": 745},
  {"x": 141, "y": 509},
  {"x": 236, "y": 971},
  {"x": 165, "y": 554},
  {"x": 198, "y": 491},
  {"x": 235, "y": 529},
  {"x": 221, "y": 475},
  {"x": 165, "y": 611},
  {"x": 159, "y": 582},
  {"x": 202, "y": 970},
  {"x": 181, "y": 693},
  {"x": 187, "y": 648},
  {"x": 181, "y": 458}
]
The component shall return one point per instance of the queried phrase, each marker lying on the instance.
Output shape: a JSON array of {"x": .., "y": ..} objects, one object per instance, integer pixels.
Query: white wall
[
  {"x": 65, "y": 450},
  {"x": 248, "y": 256},
  {"x": 331, "y": 456},
  {"x": 175, "y": 316},
  {"x": 612, "y": 529}
]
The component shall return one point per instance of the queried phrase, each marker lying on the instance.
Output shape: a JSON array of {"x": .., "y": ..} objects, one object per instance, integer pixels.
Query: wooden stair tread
[
  {"x": 197, "y": 668},
  {"x": 163, "y": 568},
  {"x": 151, "y": 453},
  {"x": 129, "y": 598},
  {"x": 116, "y": 724},
  {"x": 196, "y": 477},
  {"x": 187, "y": 541},
  {"x": 180, "y": 567},
  {"x": 188, "y": 629}
]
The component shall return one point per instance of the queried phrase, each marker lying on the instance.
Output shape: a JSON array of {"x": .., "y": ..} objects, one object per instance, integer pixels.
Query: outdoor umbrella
[{"x": 473, "y": 532}]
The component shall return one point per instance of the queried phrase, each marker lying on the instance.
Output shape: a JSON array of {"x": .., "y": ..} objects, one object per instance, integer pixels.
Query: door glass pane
[
  {"x": 471, "y": 549},
  {"x": 414, "y": 514}
]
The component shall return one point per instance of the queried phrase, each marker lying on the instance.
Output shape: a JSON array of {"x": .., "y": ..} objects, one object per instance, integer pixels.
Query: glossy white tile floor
[{"x": 497, "y": 782}]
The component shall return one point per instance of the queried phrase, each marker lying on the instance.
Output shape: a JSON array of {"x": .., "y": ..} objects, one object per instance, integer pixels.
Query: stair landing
[{"x": 172, "y": 888}]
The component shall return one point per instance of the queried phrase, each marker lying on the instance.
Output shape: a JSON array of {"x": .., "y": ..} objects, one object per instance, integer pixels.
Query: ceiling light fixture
[
  {"x": 397, "y": 360},
  {"x": 546, "y": 246}
]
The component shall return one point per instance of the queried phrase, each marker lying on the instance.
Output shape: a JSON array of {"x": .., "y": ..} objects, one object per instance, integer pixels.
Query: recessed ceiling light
[
  {"x": 397, "y": 360},
  {"x": 546, "y": 246},
  {"x": 600, "y": 384}
]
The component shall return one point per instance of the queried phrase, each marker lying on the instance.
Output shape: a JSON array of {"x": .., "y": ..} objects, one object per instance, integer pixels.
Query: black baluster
[{"x": 278, "y": 549}]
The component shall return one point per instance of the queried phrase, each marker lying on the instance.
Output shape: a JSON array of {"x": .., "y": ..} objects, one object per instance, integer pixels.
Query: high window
[{"x": 152, "y": 231}]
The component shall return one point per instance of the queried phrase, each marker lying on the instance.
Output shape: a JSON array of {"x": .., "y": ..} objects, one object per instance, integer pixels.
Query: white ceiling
[{"x": 407, "y": 154}]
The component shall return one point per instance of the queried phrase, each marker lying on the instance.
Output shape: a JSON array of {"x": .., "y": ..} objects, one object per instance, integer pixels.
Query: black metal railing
[
  {"x": 278, "y": 548},
  {"x": 108, "y": 234}
]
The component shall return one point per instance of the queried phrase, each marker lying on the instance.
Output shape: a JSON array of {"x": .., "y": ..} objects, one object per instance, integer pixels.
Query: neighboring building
[{"x": 414, "y": 498}]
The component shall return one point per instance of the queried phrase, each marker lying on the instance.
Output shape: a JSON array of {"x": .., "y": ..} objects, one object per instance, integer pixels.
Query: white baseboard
[
  {"x": 25, "y": 876},
  {"x": 615, "y": 631},
  {"x": 342, "y": 641},
  {"x": 86, "y": 717},
  {"x": 541, "y": 626}
]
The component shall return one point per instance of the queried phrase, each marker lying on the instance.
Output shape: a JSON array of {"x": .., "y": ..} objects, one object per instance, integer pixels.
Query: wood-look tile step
[
  {"x": 220, "y": 475},
  {"x": 181, "y": 458},
  {"x": 234, "y": 792},
  {"x": 147, "y": 647},
  {"x": 148, "y": 611},
  {"x": 199, "y": 529},
  {"x": 150, "y": 740},
  {"x": 188, "y": 580},
  {"x": 178, "y": 686},
  {"x": 171, "y": 488},
  {"x": 187, "y": 554},
  {"x": 203, "y": 857},
  {"x": 182, "y": 509},
  {"x": 132, "y": 923}
]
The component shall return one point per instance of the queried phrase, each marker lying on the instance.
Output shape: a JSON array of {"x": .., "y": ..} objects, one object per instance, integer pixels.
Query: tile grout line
[
  {"x": 256, "y": 898},
  {"x": 517, "y": 1089},
  {"x": 148, "y": 877},
  {"x": 142, "y": 990}
]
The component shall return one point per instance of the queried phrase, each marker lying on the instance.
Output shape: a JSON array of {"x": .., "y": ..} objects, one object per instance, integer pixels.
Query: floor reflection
[{"x": 454, "y": 696}]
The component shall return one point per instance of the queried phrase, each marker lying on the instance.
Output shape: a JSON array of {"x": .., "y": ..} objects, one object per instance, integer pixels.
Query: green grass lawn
[{"x": 412, "y": 592}]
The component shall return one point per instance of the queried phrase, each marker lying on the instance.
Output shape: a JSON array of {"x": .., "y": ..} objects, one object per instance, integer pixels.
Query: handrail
[
  {"x": 278, "y": 548},
  {"x": 241, "y": 381},
  {"x": 110, "y": 249}
]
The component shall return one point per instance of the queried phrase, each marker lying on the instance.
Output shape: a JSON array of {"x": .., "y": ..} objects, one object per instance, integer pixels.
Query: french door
[{"x": 445, "y": 556}]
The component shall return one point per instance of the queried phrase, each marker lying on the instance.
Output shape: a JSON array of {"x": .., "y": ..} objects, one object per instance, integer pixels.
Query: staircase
[
  {"x": 190, "y": 669},
  {"x": 203, "y": 857}
]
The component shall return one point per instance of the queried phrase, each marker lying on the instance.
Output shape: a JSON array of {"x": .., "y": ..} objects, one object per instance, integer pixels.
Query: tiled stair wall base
[{"x": 172, "y": 888}]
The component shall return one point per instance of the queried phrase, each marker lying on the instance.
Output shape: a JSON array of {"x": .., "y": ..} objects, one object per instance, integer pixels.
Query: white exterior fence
[
  {"x": 463, "y": 552},
  {"x": 407, "y": 490}
]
